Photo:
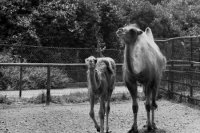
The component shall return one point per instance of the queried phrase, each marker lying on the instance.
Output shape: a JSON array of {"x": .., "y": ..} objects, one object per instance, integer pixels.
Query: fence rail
[
  {"x": 181, "y": 77},
  {"x": 170, "y": 77},
  {"x": 183, "y": 81},
  {"x": 48, "y": 67}
]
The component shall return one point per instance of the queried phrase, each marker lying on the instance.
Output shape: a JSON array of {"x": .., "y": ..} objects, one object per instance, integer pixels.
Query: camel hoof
[
  {"x": 148, "y": 127},
  {"x": 98, "y": 129},
  {"x": 107, "y": 130},
  {"x": 154, "y": 126},
  {"x": 133, "y": 130}
]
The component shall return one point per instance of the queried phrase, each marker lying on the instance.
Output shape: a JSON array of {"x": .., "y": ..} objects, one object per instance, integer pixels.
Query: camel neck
[
  {"x": 127, "y": 58},
  {"x": 92, "y": 78}
]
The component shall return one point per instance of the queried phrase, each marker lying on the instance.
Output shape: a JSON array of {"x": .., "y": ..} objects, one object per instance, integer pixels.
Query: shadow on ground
[{"x": 153, "y": 131}]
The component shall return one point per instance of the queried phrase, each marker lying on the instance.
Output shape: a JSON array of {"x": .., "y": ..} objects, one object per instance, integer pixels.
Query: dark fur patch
[
  {"x": 108, "y": 66},
  {"x": 154, "y": 105},
  {"x": 148, "y": 108},
  {"x": 135, "y": 109}
]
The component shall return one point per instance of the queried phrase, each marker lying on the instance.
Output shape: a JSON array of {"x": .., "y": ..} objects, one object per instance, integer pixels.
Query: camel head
[
  {"x": 91, "y": 62},
  {"x": 129, "y": 33}
]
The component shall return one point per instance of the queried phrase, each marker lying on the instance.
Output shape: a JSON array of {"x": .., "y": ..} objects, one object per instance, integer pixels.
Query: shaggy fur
[
  {"x": 143, "y": 63},
  {"x": 101, "y": 79}
]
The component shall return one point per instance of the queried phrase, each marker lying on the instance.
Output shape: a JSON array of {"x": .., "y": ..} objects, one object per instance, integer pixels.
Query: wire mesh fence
[
  {"x": 37, "y": 54},
  {"x": 181, "y": 76},
  {"x": 182, "y": 48}
]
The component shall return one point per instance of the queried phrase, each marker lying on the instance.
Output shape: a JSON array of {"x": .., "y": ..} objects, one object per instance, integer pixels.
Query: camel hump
[
  {"x": 110, "y": 64},
  {"x": 149, "y": 33}
]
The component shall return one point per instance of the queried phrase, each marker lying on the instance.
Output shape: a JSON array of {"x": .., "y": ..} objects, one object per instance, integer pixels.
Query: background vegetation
[
  {"x": 80, "y": 24},
  {"x": 83, "y": 23}
]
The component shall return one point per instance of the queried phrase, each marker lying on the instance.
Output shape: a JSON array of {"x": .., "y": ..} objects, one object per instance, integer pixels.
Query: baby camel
[{"x": 101, "y": 80}]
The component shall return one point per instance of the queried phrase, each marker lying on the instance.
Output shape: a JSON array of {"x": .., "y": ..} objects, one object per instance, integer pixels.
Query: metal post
[
  {"x": 191, "y": 90},
  {"x": 20, "y": 82},
  {"x": 198, "y": 49},
  {"x": 191, "y": 53},
  {"x": 199, "y": 54},
  {"x": 20, "y": 74},
  {"x": 191, "y": 69},
  {"x": 48, "y": 98},
  {"x": 172, "y": 80},
  {"x": 171, "y": 72}
]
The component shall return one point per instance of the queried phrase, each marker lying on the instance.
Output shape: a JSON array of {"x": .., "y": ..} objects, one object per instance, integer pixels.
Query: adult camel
[{"x": 143, "y": 63}]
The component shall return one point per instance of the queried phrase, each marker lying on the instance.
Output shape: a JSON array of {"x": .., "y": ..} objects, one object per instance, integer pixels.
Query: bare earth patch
[{"x": 73, "y": 118}]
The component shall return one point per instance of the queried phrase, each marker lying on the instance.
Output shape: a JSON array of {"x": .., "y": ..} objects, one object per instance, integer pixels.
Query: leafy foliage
[
  {"x": 82, "y": 23},
  {"x": 33, "y": 77},
  {"x": 86, "y": 23}
]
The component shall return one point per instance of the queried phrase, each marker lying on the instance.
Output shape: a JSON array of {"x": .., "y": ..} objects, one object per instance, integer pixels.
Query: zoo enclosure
[{"x": 181, "y": 78}]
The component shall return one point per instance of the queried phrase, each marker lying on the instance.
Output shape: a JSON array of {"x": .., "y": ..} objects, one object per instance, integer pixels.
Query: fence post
[
  {"x": 48, "y": 98},
  {"x": 20, "y": 73},
  {"x": 172, "y": 80},
  {"x": 191, "y": 69},
  {"x": 191, "y": 53},
  {"x": 199, "y": 48},
  {"x": 171, "y": 72},
  {"x": 191, "y": 86},
  {"x": 20, "y": 81}
]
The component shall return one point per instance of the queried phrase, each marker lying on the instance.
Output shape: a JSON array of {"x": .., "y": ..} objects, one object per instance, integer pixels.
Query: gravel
[{"x": 171, "y": 117}]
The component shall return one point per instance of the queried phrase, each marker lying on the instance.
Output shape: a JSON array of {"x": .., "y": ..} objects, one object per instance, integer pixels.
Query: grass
[
  {"x": 5, "y": 100},
  {"x": 78, "y": 97}
]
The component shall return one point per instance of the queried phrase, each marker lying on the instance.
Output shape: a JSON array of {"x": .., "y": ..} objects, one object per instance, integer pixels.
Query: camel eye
[
  {"x": 95, "y": 61},
  {"x": 132, "y": 31},
  {"x": 139, "y": 32}
]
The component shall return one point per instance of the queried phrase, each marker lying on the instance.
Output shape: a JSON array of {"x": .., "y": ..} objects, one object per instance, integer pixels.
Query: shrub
[
  {"x": 33, "y": 77},
  {"x": 4, "y": 100},
  {"x": 76, "y": 97},
  {"x": 36, "y": 78},
  {"x": 41, "y": 98}
]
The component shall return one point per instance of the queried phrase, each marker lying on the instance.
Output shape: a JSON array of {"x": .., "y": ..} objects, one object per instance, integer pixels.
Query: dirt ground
[
  {"x": 73, "y": 118},
  {"x": 56, "y": 92}
]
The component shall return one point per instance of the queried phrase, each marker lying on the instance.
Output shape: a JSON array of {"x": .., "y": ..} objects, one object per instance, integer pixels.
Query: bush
[
  {"x": 36, "y": 78},
  {"x": 40, "y": 99},
  {"x": 33, "y": 77},
  {"x": 4, "y": 100}
]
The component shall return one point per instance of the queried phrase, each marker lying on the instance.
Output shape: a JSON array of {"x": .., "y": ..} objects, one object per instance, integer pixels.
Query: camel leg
[
  {"x": 148, "y": 108},
  {"x": 107, "y": 113},
  {"x": 92, "y": 115},
  {"x": 153, "y": 106},
  {"x": 102, "y": 114},
  {"x": 133, "y": 91}
]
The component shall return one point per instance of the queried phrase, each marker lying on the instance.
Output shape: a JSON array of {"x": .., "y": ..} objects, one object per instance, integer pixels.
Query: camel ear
[
  {"x": 86, "y": 60},
  {"x": 149, "y": 33},
  {"x": 139, "y": 32}
]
